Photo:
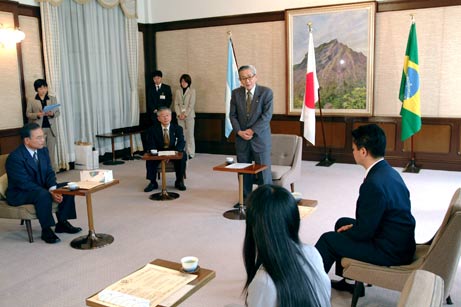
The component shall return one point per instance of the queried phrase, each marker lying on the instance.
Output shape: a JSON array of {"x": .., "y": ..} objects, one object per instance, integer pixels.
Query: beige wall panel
[
  {"x": 439, "y": 44},
  {"x": 141, "y": 72},
  {"x": 31, "y": 53},
  {"x": 203, "y": 54},
  {"x": 10, "y": 99}
]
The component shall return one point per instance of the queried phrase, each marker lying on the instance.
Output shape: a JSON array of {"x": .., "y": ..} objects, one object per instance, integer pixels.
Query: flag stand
[
  {"x": 327, "y": 160},
  {"x": 411, "y": 165}
]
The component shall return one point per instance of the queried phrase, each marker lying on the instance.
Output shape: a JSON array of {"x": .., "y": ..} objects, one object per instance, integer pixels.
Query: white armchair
[{"x": 286, "y": 159}]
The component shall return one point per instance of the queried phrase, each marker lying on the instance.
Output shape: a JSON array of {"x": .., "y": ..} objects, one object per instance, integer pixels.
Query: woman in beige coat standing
[
  {"x": 34, "y": 113},
  {"x": 184, "y": 104}
]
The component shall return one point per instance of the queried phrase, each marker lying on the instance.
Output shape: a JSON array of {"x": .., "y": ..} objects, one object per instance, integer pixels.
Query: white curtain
[
  {"x": 51, "y": 47},
  {"x": 98, "y": 56}
]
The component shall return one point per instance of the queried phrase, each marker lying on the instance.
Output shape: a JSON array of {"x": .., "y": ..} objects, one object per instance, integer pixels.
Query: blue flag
[{"x": 232, "y": 83}]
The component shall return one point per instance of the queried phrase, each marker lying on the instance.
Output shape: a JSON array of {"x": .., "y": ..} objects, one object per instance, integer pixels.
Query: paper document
[
  {"x": 305, "y": 211},
  {"x": 167, "y": 153},
  {"x": 51, "y": 107},
  {"x": 239, "y": 165},
  {"x": 86, "y": 185},
  {"x": 146, "y": 287}
]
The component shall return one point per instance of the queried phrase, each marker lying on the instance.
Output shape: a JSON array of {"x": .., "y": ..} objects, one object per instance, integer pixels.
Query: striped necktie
[
  {"x": 166, "y": 138},
  {"x": 35, "y": 157},
  {"x": 249, "y": 98}
]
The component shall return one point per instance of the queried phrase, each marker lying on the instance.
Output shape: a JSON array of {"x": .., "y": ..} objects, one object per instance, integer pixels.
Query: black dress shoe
[
  {"x": 342, "y": 285},
  {"x": 49, "y": 236},
  {"x": 151, "y": 186},
  {"x": 180, "y": 185},
  {"x": 66, "y": 227}
]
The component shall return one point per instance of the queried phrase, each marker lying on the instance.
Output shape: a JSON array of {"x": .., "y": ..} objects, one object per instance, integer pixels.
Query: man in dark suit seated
[
  {"x": 383, "y": 231},
  {"x": 31, "y": 180},
  {"x": 166, "y": 136}
]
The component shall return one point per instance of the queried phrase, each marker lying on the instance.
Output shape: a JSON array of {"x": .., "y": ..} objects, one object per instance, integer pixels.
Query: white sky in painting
[{"x": 349, "y": 27}]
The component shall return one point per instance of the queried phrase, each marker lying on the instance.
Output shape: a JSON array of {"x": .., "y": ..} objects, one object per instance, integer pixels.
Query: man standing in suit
[
  {"x": 383, "y": 231},
  {"x": 159, "y": 96},
  {"x": 250, "y": 113},
  {"x": 165, "y": 136},
  {"x": 31, "y": 180}
]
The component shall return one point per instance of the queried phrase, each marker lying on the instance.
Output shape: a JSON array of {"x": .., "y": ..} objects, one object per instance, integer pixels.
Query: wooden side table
[
  {"x": 92, "y": 240},
  {"x": 164, "y": 194},
  {"x": 111, "y": 136},
  {"x": 239, "y": 213},
  {"x": 204, "y": 276}
]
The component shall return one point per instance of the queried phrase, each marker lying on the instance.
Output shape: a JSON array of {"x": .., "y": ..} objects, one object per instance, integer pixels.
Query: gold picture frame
[{"x": 344, "y": 52}]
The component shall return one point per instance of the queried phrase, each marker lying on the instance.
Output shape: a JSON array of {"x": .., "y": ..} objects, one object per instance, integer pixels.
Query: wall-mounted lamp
[{"x": 9, "y": 36}]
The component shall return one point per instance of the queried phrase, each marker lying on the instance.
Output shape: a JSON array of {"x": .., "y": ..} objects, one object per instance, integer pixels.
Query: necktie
[
  {"x": 249, "y": 98},
  {"x": 35, "y": 157},
  {"x": 166, "y": 138},
  {"x": 156, "y": 88}
]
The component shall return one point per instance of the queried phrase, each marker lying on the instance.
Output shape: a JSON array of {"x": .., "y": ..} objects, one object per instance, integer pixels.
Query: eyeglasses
[{"x": 246, "y": 78}]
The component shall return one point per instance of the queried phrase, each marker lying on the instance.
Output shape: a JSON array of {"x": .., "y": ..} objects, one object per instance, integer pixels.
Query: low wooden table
[
  {"x": 239, "y": 213},
  {"x": 112, "y": 136},
  {"x": 164, "y": 194},
  {"x": 203, "y": 277},
  {"x": 92, "y": 240}
]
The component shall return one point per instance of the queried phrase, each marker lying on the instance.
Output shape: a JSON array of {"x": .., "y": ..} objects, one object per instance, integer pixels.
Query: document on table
[
  {"x": 51, "y": 107},
  {"x": 239, "y": 165},
  {"x": 305, "y": 211},
  {"x": 86, "y": 185},
  {"x": 167, "y": 153},
  {"x": 146, "y": 287}
]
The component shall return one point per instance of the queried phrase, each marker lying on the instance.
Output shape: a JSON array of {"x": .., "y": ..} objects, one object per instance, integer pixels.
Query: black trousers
[
  {"x": 333, "y": 246},
  {"x": 43, "y": 203}
]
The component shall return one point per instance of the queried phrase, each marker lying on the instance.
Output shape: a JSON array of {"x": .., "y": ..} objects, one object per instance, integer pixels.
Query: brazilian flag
[{"x": 410, "y": 88}]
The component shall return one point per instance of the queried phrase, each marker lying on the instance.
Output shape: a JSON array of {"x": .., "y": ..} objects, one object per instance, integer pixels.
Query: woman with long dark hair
[{"x": 281, "y": 271}]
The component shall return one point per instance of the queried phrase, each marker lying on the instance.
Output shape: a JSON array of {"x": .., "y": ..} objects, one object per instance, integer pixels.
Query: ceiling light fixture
[{"x": 9, "y": 36}]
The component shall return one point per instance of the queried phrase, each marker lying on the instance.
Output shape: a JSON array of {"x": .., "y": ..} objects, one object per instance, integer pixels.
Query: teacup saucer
[{"x": 191, "y": 272}]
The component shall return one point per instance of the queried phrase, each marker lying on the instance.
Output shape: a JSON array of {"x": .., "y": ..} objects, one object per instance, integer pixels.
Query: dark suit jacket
[
  {"x": 258, "y": 121},
  {"x": 24, "y": 175},
  {"x": 154, "y": 139},
  {"x": 154, "y": 102},
  {"x": 383, "y": 214}
]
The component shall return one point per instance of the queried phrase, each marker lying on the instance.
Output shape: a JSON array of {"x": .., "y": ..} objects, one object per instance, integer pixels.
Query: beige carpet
[{"x": 42, "y": 275}]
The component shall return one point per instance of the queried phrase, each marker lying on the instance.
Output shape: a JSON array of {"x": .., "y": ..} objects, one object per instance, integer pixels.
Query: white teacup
[
  {"x": 189, "y": 263},
  {"x": 72, "y": 186},
  {"x": 229, "y": 160},
  {"x": 154, "y": 151},
  {"x": 297, "y": 196}
]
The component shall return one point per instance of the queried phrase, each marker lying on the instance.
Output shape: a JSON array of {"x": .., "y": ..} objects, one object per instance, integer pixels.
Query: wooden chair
[
  {"x": 286, "y": 156},
  {"x": 439, "y": 256},
  {"x": 25, "y": 213}
]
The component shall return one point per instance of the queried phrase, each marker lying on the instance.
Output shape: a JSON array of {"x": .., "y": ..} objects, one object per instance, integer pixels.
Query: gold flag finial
[
  {"x": 412, "y": 16},
  {"x": 309, "y": 25}
]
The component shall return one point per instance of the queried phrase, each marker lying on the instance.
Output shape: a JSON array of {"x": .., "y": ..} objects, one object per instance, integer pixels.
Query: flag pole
[
  {"x": 229, "y": 33},
  {"x": 411, "y": 166},
  {"x": 327, "y": 160}
]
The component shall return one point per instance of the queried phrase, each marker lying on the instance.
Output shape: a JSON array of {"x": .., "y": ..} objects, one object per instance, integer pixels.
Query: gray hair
[{"x": 250, "y": 67}]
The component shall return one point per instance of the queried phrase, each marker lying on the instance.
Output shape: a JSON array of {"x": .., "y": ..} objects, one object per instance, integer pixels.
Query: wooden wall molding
[{"x": 437, "y": 145}]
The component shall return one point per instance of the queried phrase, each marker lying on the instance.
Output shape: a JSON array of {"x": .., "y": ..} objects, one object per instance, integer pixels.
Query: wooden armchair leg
[
  {"x": 292, "y": 185},
  {"x": 359, "y": 291},
  {"x": 29, "y": 230}
]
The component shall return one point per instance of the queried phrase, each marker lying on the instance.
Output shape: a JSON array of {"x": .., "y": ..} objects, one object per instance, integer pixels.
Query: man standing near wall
[
  {"x": 250, "y": 113},
  {"x": 159, "y": 96}
]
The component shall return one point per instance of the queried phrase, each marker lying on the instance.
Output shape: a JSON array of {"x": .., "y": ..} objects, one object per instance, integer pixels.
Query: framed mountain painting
[{"x": 344, "y": 46}]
